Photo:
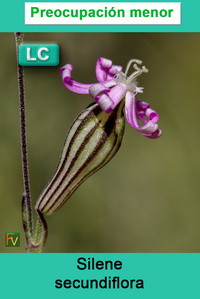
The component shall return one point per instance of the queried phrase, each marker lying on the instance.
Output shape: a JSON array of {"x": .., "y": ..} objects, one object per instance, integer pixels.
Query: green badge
[
  {"x": 39, "y": 55},
  {"x": 12, "y": 239}
]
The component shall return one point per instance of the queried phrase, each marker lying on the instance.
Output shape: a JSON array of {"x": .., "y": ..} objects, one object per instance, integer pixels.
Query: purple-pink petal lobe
[
  {"x": 108, "y": 99},
  {"x": 142, "y": 105},
  {"x": 65, "y": 72},
  {"x": 105, "y": 70},
  {"x": 117, "y": 93},
  {"x": 105, "y": 102},
  {"x": 153, "y": 115},
  {"x": 144, "y": 110},
  {"x": 99, "y": 93},
  {"x": 77, "y": 87},
  {"x": 150, "y": 128},
  {"x": 97, "y": 89},
  {"x": 155, "y": 134},
  {"x": 72, "y": 84}
]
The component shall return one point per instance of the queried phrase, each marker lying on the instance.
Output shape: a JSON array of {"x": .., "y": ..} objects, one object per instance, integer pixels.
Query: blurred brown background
[{"x": 147, "y": 199}]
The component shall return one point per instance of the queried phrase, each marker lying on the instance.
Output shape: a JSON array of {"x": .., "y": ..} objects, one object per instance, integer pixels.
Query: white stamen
[
  {"x": 130, "y": 81},
  {"x": 139, "y": 90},
  {"x": 129, "y": 64},
  {"x": 138, "y": 71}
]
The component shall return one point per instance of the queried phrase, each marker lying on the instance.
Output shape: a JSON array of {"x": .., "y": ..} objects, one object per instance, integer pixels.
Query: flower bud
[{"x": 93, "y": 139}]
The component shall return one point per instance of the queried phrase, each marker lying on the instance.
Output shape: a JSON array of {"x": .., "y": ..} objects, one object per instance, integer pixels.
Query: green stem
[
  {"x": 35, "y": 239},
  {"x": 23, "y": 138}
]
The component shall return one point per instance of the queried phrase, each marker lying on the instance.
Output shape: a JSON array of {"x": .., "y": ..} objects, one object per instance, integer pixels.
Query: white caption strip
[{"x": 104, "y": 13}]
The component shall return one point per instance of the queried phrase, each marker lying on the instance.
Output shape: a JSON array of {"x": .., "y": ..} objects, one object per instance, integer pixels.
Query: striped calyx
[{"x": 93, "y": 139}]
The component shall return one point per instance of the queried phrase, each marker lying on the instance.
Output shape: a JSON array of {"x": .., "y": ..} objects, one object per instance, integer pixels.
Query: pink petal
[
  {"x": 107, "y": 98},
  {"x": 102, "y": 67},
  {"x": 149, "y": 129},
  {"x": 99, "y": 93},
  {"x": 65, "y": 72},
  {"x": 144, "y": 110},
  {"x": 155, "y": 134},
  {"x": 105, "y": 103},
  {"x": 77, "y": 87},
  {"x": 72, "y": 84},
  {"x": 105, "y": 70},
  {"x": 153, "y": 115},
  {"x": 113, "y": 71},
  {"x": 142, "y": 105},
  {"x": 117, "y": 93},
  {"x": 98, "y": 88}
]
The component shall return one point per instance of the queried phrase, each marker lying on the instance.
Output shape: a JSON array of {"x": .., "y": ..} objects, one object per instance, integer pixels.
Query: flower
[{"x": 115, "y": 86}]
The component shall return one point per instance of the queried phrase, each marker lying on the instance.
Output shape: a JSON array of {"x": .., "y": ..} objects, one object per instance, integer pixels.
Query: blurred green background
[{"x": 147, "y": 199}]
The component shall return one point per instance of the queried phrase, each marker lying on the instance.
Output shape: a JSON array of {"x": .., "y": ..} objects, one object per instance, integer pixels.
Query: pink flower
[{"x": 114, "y": 86}]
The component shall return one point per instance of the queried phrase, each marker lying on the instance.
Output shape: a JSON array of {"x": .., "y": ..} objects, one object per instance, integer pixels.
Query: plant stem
[
  {"x": 23, "y": 130},
  {"x": 35, "y": 239}
]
